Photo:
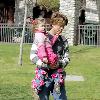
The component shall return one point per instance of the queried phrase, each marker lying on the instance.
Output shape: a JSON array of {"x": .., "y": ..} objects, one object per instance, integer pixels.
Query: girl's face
[
  {"x": 41, "y": 27},
  {"x": 57, "y": 29}
]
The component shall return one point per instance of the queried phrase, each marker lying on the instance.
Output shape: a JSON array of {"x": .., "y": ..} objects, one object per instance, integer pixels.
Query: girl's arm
[
  {"x": 54, "y": 38},
  {"x": 41, "y": 52}
]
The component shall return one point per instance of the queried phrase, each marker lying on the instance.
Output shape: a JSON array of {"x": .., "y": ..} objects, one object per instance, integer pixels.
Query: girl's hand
[
  {"x": 45, "y": 60},
  {"x": 58, "y": 34},
  {"x": 53, "y": 66}
]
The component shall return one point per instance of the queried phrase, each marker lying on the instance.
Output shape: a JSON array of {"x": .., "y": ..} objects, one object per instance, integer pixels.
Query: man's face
[{"x": 57, "y": 29}]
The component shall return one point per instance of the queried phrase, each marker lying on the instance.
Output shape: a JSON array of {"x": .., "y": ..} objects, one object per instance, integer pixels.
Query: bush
[{"x": 51, "y": 4}]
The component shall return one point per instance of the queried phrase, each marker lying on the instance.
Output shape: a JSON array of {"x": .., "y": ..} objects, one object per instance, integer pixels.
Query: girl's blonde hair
[{"x": 37, "y": 22}]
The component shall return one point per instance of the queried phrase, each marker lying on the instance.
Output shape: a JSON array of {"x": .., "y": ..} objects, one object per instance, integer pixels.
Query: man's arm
[
  {"x": 65, "y": 58},
  {"x": 65, "y": 54}
]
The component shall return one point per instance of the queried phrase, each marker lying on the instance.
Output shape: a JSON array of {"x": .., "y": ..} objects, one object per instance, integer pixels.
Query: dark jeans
[{"x": 49, "y": 88}]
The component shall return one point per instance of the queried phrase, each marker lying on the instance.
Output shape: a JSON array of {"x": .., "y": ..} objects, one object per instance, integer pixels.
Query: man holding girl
[{"x": 51, "y": 55}]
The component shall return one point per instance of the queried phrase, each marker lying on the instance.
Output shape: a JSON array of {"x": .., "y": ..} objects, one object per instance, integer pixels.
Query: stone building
[
  {"x": 77, "y": 11},
  {"x": 73, "y": 9}
]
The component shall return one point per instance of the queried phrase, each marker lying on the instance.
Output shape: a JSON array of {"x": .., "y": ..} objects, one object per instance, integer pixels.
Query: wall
[
  {"x": 72, "y": 8},
  {"x": 67, "y": 7},
  {"x": 92, "y": 11}
]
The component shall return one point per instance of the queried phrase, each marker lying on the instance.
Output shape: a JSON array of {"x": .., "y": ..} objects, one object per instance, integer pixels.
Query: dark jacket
[{"x": 60, "y": 47}]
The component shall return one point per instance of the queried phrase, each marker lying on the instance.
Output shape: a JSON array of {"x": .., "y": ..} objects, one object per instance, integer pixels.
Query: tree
[
  {"x": 23, "y": 31},
  {"x": 51, "y": 4}
]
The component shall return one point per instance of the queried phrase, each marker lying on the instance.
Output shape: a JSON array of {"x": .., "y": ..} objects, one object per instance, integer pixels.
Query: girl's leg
[{"x": 38, "y": 82}]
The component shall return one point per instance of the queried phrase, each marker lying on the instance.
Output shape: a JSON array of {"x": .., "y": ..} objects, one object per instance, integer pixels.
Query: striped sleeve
[{"x": 53, "y": 40}]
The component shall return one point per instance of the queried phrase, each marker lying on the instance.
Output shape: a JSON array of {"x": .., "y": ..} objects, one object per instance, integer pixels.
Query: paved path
[{"x": 74, "y": 78}]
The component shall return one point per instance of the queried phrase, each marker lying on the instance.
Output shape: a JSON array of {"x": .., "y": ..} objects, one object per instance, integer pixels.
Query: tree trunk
[{"x": 23, "y": 31}]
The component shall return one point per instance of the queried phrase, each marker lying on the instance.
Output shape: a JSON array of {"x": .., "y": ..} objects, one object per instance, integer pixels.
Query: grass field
[{"x": 15, "y": 80}]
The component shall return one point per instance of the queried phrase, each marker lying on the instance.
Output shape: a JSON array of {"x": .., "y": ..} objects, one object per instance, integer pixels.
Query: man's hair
[{"x": 59, "y": 19}]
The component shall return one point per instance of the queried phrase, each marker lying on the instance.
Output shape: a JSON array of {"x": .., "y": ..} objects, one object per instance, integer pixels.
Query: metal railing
[
  {"x": 12, "y": 34},
  {"x": 89, "y": 34}
]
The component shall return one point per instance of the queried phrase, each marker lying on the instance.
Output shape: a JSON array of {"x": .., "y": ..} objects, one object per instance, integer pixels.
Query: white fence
[
  {"x": 89, "y": 34},
  {"x": 12, "y": 34}
]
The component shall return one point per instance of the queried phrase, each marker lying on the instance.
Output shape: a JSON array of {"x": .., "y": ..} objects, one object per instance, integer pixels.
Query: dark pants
[{"x": 49, "y": 88}]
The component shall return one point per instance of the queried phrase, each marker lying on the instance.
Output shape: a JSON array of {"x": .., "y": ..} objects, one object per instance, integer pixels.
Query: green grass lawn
[{"x": 15, "y": 80}]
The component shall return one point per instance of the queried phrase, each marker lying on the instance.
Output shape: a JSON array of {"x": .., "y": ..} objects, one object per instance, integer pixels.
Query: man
[{"x": 60, "y": 47}]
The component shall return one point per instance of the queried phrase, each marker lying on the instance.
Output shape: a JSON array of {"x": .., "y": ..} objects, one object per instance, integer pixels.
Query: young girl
[{"x": 42, "y": 47}]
